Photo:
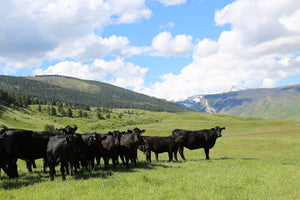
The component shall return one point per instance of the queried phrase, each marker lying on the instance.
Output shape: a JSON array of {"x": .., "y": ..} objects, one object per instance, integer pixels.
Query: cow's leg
[
  {"x": 28, "y": 166},
  {"x": 170, "y": 156},
  {"x": 106, "y": 160},
  {"x": 51, "y": 170},
  {"x": 175, "y": 155},
  {"x": 62, "y": 170},
  {"x": 98, "y": 161},
  {"x": 156, "y": 156},
  {"x": 148, "y": 155},
  {"x": 122, "y": 158},
  {"x": 133, "y": 157},
  {"x": 45, "y": 163},
  {"x": 180, "y": 149},
  {"x": 127, "y": 161},
  {"x": 206, "y": 153}
]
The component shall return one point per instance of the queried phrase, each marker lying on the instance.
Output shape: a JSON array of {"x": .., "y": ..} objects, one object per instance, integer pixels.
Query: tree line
[{"x": 106, "y": 95}]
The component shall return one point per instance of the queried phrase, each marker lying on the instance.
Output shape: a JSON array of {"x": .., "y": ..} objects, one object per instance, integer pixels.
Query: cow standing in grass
[
  {"x": 129, "y": 142},
  {"x": 197, "y": 139},
  {"x": 160, "y": 145},
  {"x": 27, "y": 145},
  {"x": 66, "y": 150}
]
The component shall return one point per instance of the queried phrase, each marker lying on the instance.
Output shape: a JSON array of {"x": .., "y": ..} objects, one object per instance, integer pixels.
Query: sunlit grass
[{"x": 242, "y": 167}]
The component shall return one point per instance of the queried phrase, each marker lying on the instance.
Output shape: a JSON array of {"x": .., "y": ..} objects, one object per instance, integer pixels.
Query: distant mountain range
[
  {"x": 281, "y": 102},
  {"x": 75, "y": 91}
]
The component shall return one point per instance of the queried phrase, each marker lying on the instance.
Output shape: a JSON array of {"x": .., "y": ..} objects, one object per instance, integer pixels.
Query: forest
[{"x": 77, "y": 92}]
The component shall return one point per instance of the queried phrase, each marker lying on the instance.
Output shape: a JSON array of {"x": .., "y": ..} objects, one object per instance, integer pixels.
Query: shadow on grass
[
  {"x": 27, "y": 179},
  {"x": 23, "y": 180},
  {"x": 221, "y": 158}
]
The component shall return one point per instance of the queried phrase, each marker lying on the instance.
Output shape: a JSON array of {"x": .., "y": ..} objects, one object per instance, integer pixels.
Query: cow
[
  {"x": 28, "y": 145},
  {"x": 66, "y": 150},
  {"x": 110, "y": 145},
  {"x": 160, "y": 145},
  {"x": 197, "y": 139},
  {"x": 129, "y": 143},
  {"x": 9, "y": 168},
  {"x": 93, "y": 148}
]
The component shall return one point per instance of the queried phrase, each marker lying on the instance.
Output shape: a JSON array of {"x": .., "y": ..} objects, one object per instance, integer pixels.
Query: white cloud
[
  {"x": 172, "y": 2},
  {"x": 33, "y": 29},
  {"x": 116, "y": 72},
  {"x": 93, "y": 47},
  {"x": 165, "y": 45},
  {"x": 169, "y": 25},
  {"x": 261, "y": 48}
]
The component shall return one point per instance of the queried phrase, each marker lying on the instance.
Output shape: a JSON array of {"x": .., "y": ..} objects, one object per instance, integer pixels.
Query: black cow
[
  {"x": 93, "y": 148},
  {"x": 66, "y": 150},
  {"x": 27, "y": 145},
  {"x": 129, "y": 143},
  {"x": 110, "y": 145},
  {"x": 160, "y": 145},
  {"x": 8, "y": 168},
  {"x": 197, "y": 139}
]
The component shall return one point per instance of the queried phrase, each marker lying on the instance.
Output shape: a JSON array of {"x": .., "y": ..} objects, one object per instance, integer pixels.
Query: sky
[{"x": 170, "y": 49}]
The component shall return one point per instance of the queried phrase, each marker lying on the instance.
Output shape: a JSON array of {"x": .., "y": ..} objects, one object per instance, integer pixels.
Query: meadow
[{"x": 262, "y": 166}]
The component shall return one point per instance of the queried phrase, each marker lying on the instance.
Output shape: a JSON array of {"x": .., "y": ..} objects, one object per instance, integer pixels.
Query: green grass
[{"x": 263, "y": 166}]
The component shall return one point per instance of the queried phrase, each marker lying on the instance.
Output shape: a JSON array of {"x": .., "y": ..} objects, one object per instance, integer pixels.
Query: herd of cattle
[{"x": 71, "y": 149}]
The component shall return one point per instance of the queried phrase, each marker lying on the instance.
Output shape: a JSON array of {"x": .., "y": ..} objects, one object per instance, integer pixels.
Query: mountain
[
  {"x": 75, "y": 91},
  {"x": 281, "y": 102}
]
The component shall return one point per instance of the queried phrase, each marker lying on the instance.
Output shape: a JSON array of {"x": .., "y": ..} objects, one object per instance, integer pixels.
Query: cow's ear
[
  {"x": 223, "y": 128},
  {"x": 129, "y": 131},
  {"x": 213, "y": 129},
  {"x": 143, "y": 130},
  {"x": 75, "y": 128},
  {"x": 103, "y": 138}
]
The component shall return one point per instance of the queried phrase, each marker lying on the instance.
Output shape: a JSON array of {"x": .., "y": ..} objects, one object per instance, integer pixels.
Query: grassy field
[{"x": 265, "y": 166}]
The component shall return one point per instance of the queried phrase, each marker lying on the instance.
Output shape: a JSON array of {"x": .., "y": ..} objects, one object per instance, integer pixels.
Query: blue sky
[{"x": 169, "y": 49}]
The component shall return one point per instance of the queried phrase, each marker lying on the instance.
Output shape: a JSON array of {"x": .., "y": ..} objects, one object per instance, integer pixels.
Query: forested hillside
[{"x": 72, "y": 91}]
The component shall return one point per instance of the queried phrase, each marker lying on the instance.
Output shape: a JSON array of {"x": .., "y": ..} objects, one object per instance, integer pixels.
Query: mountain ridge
[
  {"x": 75, "y": 91},
  {"x": 270, "y": 103}
]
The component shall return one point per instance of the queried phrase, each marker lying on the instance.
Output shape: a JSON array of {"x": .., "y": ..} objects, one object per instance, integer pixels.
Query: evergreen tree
[
  {"x": 69, "y": 112},
  {"x": 80, "y": 113},
  {"x": 40, "y": 108},
  {"x": 53, "y": 111}
]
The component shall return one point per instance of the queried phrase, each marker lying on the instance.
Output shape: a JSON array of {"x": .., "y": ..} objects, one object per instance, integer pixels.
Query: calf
[
  {"x": 66, "y": 150},
  {"x": 197, "y": 139},
  {"x": 160, "y": 145}
]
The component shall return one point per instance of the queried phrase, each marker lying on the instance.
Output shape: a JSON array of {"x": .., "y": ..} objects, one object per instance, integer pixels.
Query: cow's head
[
  {"x": 218, "y": 130},
  {"x": 178, "y": 139},
  {"x": 115, "y": 137},
  {"x": 69, "y": 130},
  {"x": 75, "y": 142},
  {"x": 137, "y": 138},
  {"x": 10, "y": 169}
]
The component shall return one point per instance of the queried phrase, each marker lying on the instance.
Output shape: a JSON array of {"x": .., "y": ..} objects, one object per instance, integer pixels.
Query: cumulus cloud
[
  {"x": 92, "y": 47},
  {"x": 172, "y": 2},
  {"x": 261, "y": 48},
  {"x": 35, "y": 29},
  {"x": 116, "y": 72},
  {"x": 165, "y": 45}
]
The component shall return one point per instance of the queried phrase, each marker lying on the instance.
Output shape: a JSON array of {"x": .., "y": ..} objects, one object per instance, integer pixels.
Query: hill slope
[
  {"x": 282, "y": 102},
  {"x": 84, "y": 92}
]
